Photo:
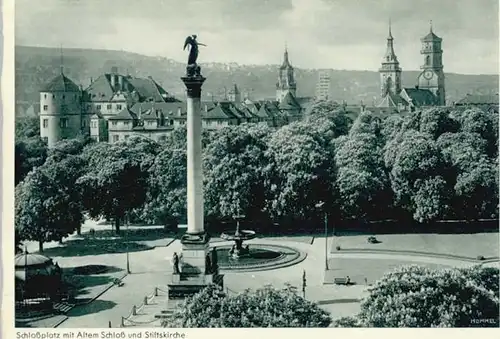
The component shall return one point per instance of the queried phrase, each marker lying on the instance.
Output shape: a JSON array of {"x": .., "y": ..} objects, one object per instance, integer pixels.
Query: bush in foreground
[
  {"x": 266, "y": 307},
  {"x": 421, "y": 297}
]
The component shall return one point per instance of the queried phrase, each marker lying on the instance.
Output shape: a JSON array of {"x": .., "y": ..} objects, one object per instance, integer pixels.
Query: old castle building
[
  {"x": 116, "y": 106},
  {"x": 60, "y": 110},
  {"x": 430, "y": 88}
]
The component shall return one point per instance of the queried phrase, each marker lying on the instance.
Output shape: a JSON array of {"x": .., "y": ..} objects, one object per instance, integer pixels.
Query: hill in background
[{"x": 37, "y": 65}]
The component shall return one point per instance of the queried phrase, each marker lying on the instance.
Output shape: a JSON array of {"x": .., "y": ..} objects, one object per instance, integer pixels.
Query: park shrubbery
[
  {"x": 416, "y": 296},
  {"x": 266, "y": 307},
  {"x": 430, "y": 165},
  {"x": 410, "y": 296}
]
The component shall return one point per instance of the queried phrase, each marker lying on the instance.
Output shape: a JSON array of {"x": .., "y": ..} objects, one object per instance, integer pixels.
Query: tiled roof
[
  {"x": 252, "y": 106},
  {"x": 168, "y": 108},
  {"x": 269, "y": 109},
  {"x": 147, "y": 88},
  {"x": 124, "y": 114},
  {"x": 100, "y": 89},
  {"x": 151, "y": 114},
  {"x": 289, "y": 102},
  {"x": 219, "y": 112},
  {"x": 134, "y": 89},
  {"x": 479, "y": 99},
  {"x": 420, "y": 97},
  {"x": 305, "y": 102},
  {"x": 60, "y": 83},
  {"x": 431, "y": 37},
  {"x": 391, "y": 100}
]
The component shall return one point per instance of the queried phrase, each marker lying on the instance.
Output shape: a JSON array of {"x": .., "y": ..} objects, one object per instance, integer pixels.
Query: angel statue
[{"x": 193, "y": 51}]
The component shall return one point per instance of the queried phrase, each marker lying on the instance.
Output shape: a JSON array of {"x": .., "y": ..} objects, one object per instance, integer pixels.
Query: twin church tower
[{"x": 431, "y": 79}]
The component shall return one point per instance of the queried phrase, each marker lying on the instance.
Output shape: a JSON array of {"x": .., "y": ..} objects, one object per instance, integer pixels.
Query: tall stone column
[
  {"x": 195, "y": 241},
  {"x": 194, "y": 156}
]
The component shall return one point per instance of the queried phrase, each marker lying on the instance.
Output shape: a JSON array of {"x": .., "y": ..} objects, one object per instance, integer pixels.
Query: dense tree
[
  {"x": 366, "y": 123},
  {"x": 362, "y": 180},
  {"x": 322, "y": 112},
  {"x": 476, "y": 191},
  {"x": 48, "y": 205},
  {"x": 301, "y": 172},
  {"x": 475, "y": 120},
  {"x": 166, "y": 198},
  {"x": 67, "y": 147},
  {"x": 27, "y": 127},
  {"x": 266, "y": 307},
  {"x": 234, "y": 163},
  {"x": 421, "y": 297},
  {"x": 436, "y": 121},
  {"x": 419, "y": 159},
  {"x": 29, "y": 153},
  {"x": 116, "y": 178},
  {"x": 391, "y": 126},
  {"x": 462, "y": 150},
  {"x": 430, "y": 199},
  {"x": 476, "y": 187}
]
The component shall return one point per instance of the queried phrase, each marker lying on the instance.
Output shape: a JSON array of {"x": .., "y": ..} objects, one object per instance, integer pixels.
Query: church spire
[
  {"x": 430, "y": 27},
  {"x": 62, "y": 60},
  {"x": 286, "y": 61},
  {"x": 390, "y": 30},
  {"x": 390, "y": 55}
]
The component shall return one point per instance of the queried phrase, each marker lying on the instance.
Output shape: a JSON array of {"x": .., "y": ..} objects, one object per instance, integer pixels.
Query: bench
[{"x": 340, "y": 281}]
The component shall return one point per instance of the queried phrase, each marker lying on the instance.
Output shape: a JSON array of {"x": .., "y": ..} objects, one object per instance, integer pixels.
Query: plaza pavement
[{"x": 151, "y": 269}]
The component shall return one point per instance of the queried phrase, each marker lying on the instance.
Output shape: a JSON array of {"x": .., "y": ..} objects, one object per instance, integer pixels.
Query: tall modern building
[{"x": 323, "y": 86}]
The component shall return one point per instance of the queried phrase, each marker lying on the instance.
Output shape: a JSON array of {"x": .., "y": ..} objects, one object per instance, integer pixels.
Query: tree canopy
[
  {"x": 415, "y": 296},
  {"x": 266, "y": 307}
]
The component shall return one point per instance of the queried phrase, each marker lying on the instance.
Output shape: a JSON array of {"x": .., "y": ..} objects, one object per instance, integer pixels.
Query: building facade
[
  {"x": 116, "y": 106},
  {"x": 60, "y": 110},
  {"x": 323, "y": 86}
]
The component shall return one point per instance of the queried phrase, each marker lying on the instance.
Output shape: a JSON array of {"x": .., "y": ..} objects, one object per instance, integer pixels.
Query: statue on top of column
[{"x": 192, "y": 68}]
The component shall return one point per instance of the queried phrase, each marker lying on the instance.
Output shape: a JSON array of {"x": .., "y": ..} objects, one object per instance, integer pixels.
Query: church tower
[
  {"x": 390, "y": 72},
  {"x": 432, "y": 76},
  {"x": 286, "y": 79}
]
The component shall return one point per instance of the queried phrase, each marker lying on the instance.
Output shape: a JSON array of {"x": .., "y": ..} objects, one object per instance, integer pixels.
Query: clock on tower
[{"x": 428, "y": 74}]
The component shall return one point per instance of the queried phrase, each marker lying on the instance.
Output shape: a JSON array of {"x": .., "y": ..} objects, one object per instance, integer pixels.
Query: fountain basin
[{"x": 260, "y": 257}]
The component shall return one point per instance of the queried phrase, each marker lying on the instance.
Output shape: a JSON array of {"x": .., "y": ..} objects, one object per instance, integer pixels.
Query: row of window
[
  {"x": 116, "y": 138},
  {"x": 75, "y": 96},
  {"x": 63, "y": 123},
  {"x": 108, "y": 107}
]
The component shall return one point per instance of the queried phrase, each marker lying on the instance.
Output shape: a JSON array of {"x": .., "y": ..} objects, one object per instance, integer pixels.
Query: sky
[{"x": 338, "y": 34}]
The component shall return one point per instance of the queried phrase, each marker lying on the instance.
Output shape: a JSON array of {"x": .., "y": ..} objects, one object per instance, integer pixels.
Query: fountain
[
  {"x": 262, "y": 256},
  {"x": 237, "y": 250}
]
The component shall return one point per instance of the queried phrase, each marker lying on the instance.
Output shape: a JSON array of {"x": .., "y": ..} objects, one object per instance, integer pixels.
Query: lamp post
[
  {"x": 320, "y": 205},
  {"x": 126, "y": 240},
  {"x": 304, "y": 284}
]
